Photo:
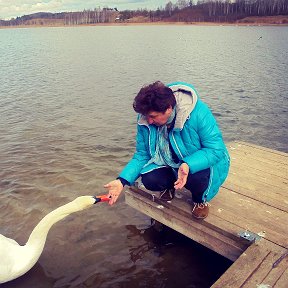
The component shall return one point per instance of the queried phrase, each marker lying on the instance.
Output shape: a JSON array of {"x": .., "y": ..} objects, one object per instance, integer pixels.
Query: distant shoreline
[{"x": 151, "y": 24}]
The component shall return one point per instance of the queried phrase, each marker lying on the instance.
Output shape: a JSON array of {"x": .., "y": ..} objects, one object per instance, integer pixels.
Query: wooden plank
[
  {"x": 261, "y": 191},
  {"x": 258, "y": 152},
  {"x": 265, "y": 149},
  {"x": 261, "y": 163},
  {"x": 244, "y": 171},
  {"x": 251, "y": 192},
  {"x": 183, "y": 207},
  {"x": 261, "y": 157},
  {"x": 229, "y": 247},
  {"x": 254, "y": 174},
  {"x": 258, "y": 275},
  {"x": 251, "y": 215},
  {"x": 283, "y": 280},
  {"x": 241, "y": 269},
  {"x": 217, "y": 221},
  {"x": 246, "y": 180},
  {"x": 277, "y": 273},
  {"x": 231, "y": 213},
  {"x": 254, "y": 267}
]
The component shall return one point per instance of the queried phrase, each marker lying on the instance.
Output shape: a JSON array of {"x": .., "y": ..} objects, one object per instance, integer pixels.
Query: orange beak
[{"x": 101, "y": 198}]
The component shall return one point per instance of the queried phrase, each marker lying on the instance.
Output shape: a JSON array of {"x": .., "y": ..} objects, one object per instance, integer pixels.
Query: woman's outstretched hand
[
  {"x": 115, "y": 188},
  {"x": 183, "y": 172}
]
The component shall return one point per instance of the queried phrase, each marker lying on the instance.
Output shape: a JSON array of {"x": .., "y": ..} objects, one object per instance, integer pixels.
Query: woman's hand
[
  {"x": 115, "y": 188},
  {"x": 183, "y": 172}
]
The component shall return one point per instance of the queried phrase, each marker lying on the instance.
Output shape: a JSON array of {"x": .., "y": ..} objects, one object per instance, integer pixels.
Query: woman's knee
[
  {"x": 158, "y": 180},
  {"x": 150, "y": 181}
]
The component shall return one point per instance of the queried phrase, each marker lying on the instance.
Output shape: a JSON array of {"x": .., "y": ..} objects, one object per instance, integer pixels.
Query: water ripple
[{"x": 67, "y": 127}]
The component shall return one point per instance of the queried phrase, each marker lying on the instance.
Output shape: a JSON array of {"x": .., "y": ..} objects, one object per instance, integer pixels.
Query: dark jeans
[{"x": 164, "y": 178}]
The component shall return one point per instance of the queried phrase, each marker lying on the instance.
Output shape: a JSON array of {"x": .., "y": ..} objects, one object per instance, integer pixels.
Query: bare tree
[{"x": 169, "y": 8}]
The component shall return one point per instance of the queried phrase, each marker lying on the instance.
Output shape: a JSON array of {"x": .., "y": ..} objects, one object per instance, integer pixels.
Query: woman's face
[{"x": 158, "y": 118}]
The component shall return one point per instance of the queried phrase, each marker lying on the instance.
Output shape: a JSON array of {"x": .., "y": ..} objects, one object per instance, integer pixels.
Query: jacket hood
[{"x": 186, "y": 99}]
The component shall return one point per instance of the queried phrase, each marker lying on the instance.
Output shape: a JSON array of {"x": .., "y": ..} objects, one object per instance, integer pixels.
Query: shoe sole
[{"x": 199, "y": 218}]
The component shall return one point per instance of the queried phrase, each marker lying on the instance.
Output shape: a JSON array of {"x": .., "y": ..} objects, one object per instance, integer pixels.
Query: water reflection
[{"x": 36, "y": 277}]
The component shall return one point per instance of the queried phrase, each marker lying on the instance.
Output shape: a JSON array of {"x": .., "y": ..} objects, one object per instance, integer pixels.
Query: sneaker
[
  {"x": 167, "y": 194},
  {"x": 200, "y": 210}
]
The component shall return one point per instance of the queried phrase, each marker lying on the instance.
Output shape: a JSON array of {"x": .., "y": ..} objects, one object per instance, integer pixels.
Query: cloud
[
  {"x": 9, "y": 9},
  {"x": 14, "y": 8}
]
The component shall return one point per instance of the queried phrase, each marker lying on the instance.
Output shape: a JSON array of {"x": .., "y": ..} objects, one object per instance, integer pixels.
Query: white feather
[{"x": 16, "y": 260}]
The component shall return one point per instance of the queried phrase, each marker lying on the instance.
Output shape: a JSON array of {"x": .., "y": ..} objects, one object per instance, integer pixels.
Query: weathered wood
[
  {"x": 265, "y": 196},
  {"x": 242, "y": 151},
  {"x": 266, "y": 166},
  {"x": 253, "y": 181},
  {"x": 250, "y": 214},
  {"x": 257, "y": 179},
  {"x": 283, "y": 280},
  {"x": 278, "y": 274},
  {"x": 260, "y": 176},
  {"x": 225, "y": 245},
  {"x": 254, "y": 198},
  {"x": 259, "y": 151},
  {"x": 260, "y": 148},
  {"x": 253, "y": 194},
  {"x": 255, "y": 267}
]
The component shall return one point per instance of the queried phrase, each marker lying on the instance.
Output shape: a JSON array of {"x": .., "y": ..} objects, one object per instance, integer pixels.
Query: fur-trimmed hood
[{"x": 186, "y": 99}]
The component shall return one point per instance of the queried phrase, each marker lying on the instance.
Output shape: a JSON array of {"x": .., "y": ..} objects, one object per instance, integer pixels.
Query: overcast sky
[{"x": 14, "y": 8}]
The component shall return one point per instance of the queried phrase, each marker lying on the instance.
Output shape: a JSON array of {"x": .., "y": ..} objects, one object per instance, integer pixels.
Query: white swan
[{"x": 16, "y": 260}]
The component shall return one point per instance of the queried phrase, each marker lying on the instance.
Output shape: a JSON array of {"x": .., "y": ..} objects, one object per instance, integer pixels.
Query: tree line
[
  {"x": 181, "y": 10},
  {"x": 215, "y": 10},
  {"x": 97, "y": 15}
]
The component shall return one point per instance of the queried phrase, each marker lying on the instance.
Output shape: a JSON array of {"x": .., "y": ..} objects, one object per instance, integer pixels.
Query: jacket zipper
[
  {"x": 178, "y": 150},
  {"x": 149, "y": 137}
]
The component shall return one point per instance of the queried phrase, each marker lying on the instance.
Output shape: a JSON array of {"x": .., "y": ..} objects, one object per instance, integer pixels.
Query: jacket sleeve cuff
[{"x": 123, "y": 181}]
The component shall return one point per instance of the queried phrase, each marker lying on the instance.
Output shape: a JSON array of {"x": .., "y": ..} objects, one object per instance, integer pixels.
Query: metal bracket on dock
[{"x": 249, "y": 236}]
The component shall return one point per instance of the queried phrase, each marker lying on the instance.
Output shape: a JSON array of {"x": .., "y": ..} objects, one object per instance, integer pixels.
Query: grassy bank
[{"x": 248, "y": 21}]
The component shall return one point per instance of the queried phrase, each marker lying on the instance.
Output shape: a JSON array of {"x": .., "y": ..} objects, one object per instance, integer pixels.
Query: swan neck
[{"x": 40, "y": 232}]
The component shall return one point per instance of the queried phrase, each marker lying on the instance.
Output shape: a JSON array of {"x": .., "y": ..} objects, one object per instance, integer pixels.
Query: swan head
[{"x": 83, "y": 202}]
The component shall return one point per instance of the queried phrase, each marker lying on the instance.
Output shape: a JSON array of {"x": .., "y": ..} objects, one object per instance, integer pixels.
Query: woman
[{"x": 178, "y": 145}]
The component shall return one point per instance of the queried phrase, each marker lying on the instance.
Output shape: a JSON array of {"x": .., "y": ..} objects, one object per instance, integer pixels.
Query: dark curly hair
[{"x": 154, "y": 97}]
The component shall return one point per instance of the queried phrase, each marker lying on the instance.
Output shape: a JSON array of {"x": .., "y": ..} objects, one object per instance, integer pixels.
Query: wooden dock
[{"x": 248, "y": 219}]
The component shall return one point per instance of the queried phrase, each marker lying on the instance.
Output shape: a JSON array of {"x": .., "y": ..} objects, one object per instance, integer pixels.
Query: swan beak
[{"x": 101, "y": 198}]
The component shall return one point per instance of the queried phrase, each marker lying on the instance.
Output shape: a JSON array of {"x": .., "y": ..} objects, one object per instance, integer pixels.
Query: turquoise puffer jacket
[{"x": 195, "y": 138}]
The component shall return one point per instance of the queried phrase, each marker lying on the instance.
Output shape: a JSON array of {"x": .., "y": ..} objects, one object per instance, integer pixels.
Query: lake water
[{"x": 67, "y": 127}]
